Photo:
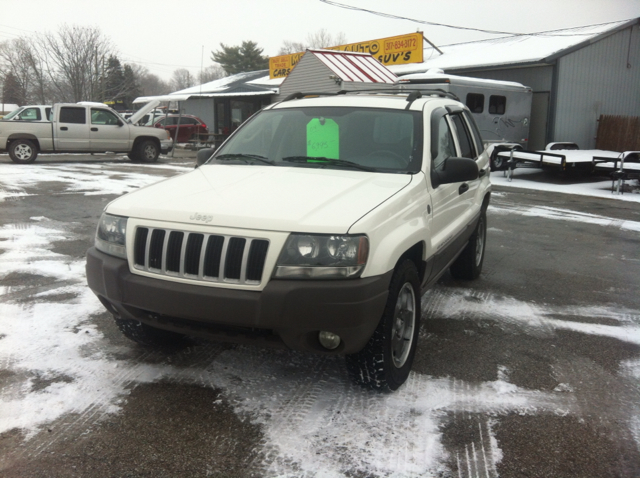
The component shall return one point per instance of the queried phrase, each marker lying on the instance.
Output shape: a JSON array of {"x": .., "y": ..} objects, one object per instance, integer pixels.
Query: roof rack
[
  {"x": 299, "y": 95},
  {"x": 412, "y": 93}
]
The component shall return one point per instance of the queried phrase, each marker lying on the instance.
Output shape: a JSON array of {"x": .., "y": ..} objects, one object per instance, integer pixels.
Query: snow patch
[
  {"x": 540, "y": 181},
  {"x": 90, "y": 179},
  {"x": 566, "y": 215},
  {"x": 539, "y": 318}
]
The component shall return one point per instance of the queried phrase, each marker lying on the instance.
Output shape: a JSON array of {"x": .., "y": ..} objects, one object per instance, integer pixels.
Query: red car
[{"x": 191, "y": 127}]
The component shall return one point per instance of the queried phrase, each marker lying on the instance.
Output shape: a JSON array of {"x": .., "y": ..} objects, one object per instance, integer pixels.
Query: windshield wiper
[
  {"x": 321, "y": 160},
  {"x": 244, "y": 156}
]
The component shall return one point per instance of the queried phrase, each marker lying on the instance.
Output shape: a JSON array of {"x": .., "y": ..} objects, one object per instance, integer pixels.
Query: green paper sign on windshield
[{"x": 323, "y": 138}]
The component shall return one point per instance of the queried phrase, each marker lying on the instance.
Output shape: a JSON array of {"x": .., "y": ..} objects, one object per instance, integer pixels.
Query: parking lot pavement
[{"x": 533, "y": 370}]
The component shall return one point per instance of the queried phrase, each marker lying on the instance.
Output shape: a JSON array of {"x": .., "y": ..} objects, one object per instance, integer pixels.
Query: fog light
[{"x": 328, "y": 340}]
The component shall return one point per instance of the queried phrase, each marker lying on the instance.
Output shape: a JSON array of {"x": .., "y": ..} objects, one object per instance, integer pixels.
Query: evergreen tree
[
  {"x": 12, "y": 91},
  {"x": 237, "y": 59},
  {"x": 114, "y": 80},
  {"x": 131, "y": 87}
]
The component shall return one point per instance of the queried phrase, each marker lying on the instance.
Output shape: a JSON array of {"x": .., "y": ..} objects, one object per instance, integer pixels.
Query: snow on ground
[
  {"x": 567, "y": 215},
  {"x": 57, "y": 342},
  {"x": 303, "y": 429},
  {"x": 87, "y": 178},
  {"x": 554, "y": 182}
]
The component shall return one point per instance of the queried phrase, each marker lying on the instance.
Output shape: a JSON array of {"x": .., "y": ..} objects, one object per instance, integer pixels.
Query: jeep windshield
[{"x": 357, "y": 138}]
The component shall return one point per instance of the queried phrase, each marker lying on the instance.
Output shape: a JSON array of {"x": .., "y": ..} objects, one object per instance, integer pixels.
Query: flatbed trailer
[{"x": 567, "y": 157}]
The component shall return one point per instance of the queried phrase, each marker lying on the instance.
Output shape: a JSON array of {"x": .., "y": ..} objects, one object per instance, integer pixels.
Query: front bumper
[
  {"x": 285, "y": 312},
  {"x": 166, "y": 146}
]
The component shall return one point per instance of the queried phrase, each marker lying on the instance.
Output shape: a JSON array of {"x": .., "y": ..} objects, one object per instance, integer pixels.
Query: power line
[{"x": 457, "y": 27}]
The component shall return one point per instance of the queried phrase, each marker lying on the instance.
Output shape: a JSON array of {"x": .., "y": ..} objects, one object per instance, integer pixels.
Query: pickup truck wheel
[
  {"x": 148, "y": 151},
  {"x": 468, "y": 265},
  {"x": 385, "y": 362},
  {"x": 23, "y": 151},
  {"x": 148, "y": 336}
]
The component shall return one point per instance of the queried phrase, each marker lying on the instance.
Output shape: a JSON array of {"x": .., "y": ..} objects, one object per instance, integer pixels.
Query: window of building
[
  {"x": 475, "y": 102},
  {"x": 497, "y": 104}
]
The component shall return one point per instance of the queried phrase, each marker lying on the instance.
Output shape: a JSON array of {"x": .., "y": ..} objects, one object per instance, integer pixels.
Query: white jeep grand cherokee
[{"x": 316, "y": 226}]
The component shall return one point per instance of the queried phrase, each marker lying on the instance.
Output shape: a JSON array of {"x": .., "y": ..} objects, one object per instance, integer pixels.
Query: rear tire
[
  {"x": 148, "y": 336},
  {"x": 468, "y": 265},
  {"x": 147, "y": 151},
  {"x": 23, "y": 151},
  {"x": 385, "y": 362}
]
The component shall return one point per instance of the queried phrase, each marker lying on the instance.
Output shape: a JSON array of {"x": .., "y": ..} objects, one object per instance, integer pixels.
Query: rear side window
[
  {"x": 475, "y": 102},
  {"x": 464, "y": 138},
  {"x": 475, "y": 133},
  {"x": 497, "y": 104},
  {"x": 73, "y": 115},
  {"x": 443, "y": 146}
]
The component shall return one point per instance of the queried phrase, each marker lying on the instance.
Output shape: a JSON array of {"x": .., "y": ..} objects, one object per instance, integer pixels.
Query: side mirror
[
  {"x": 203, "y": 155},
  {"x": 455, "y": 170}
]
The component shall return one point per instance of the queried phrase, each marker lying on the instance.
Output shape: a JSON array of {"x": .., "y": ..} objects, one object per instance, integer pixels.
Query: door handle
[
  {"x": 482, "y": 173},
  {"x": 463, "y": 188},
  {"x": 94, "y": 129},
  {"x": 64, "y": 128}
]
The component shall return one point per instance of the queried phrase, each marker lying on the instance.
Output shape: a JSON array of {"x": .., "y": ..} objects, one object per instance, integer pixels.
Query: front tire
[
  {"x": 23, "y": 151},
  {"x": 468, "y": 265},
  {"x": 148, "y": 336},
  {"x": 147, "y": 151},
  {"x": 385, "y": 362}
]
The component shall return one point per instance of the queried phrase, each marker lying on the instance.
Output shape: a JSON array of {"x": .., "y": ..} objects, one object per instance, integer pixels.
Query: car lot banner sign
[{"x": 397, "y": 50}]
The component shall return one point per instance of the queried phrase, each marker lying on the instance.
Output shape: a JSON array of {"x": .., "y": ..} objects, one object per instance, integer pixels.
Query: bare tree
[
  {"x": 289, "y": 47},
  {"x": 323, "y": 39},
  {"x": 75, "y": 58},
  {"x": 211, "y": 73},
  {"x": 20, "y": 58},
  {"x": 320, "y": 39},
  {"x": 182, "y": 79},
  {"x": 148, "y": 83}
]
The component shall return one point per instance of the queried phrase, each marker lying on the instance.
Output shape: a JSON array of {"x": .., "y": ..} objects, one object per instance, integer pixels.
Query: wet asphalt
[{"x": 567, "y": 269}]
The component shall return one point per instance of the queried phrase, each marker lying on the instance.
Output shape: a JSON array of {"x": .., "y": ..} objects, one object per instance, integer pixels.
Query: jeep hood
[{"x": 271, "y": 198}]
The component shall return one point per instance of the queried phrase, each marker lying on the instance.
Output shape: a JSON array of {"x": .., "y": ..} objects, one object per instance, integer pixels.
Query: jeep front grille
[{"x": 197, "y": 256}]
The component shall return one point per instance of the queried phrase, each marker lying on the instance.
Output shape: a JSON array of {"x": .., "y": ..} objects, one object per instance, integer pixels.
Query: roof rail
[
  {"x": 409, "y": 92},
  {"x": 412, "y": 93},
  {"x": 299, "y": 94}
]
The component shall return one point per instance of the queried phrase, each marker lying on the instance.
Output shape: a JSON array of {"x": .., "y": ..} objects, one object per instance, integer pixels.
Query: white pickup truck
[
  {"x": 83, "y": 128},
  {"x": 316, "y": 226}
]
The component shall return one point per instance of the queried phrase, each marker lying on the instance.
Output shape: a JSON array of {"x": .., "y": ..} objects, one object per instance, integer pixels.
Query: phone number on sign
[{"x": 407, "y": 44}]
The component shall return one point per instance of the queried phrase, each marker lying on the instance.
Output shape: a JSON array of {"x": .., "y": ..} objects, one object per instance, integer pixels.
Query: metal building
[
  {"x": 576, "y": 75},
  {"x": 330, "y": 71}
]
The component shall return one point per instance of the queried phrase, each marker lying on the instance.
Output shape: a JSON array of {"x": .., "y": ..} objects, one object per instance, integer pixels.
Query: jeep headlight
[
  {"x": 110, "y": 235},
  {"x": 320, "y": 256}
]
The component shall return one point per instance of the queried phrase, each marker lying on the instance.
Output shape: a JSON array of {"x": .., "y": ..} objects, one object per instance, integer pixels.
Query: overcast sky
[{"x": 164, "y": 35}]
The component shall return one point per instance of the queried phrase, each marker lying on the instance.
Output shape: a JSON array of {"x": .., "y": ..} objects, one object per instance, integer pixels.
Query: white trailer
[
  {"x": 501, "y": 109},
  {"x": 568, "y": 157}
]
